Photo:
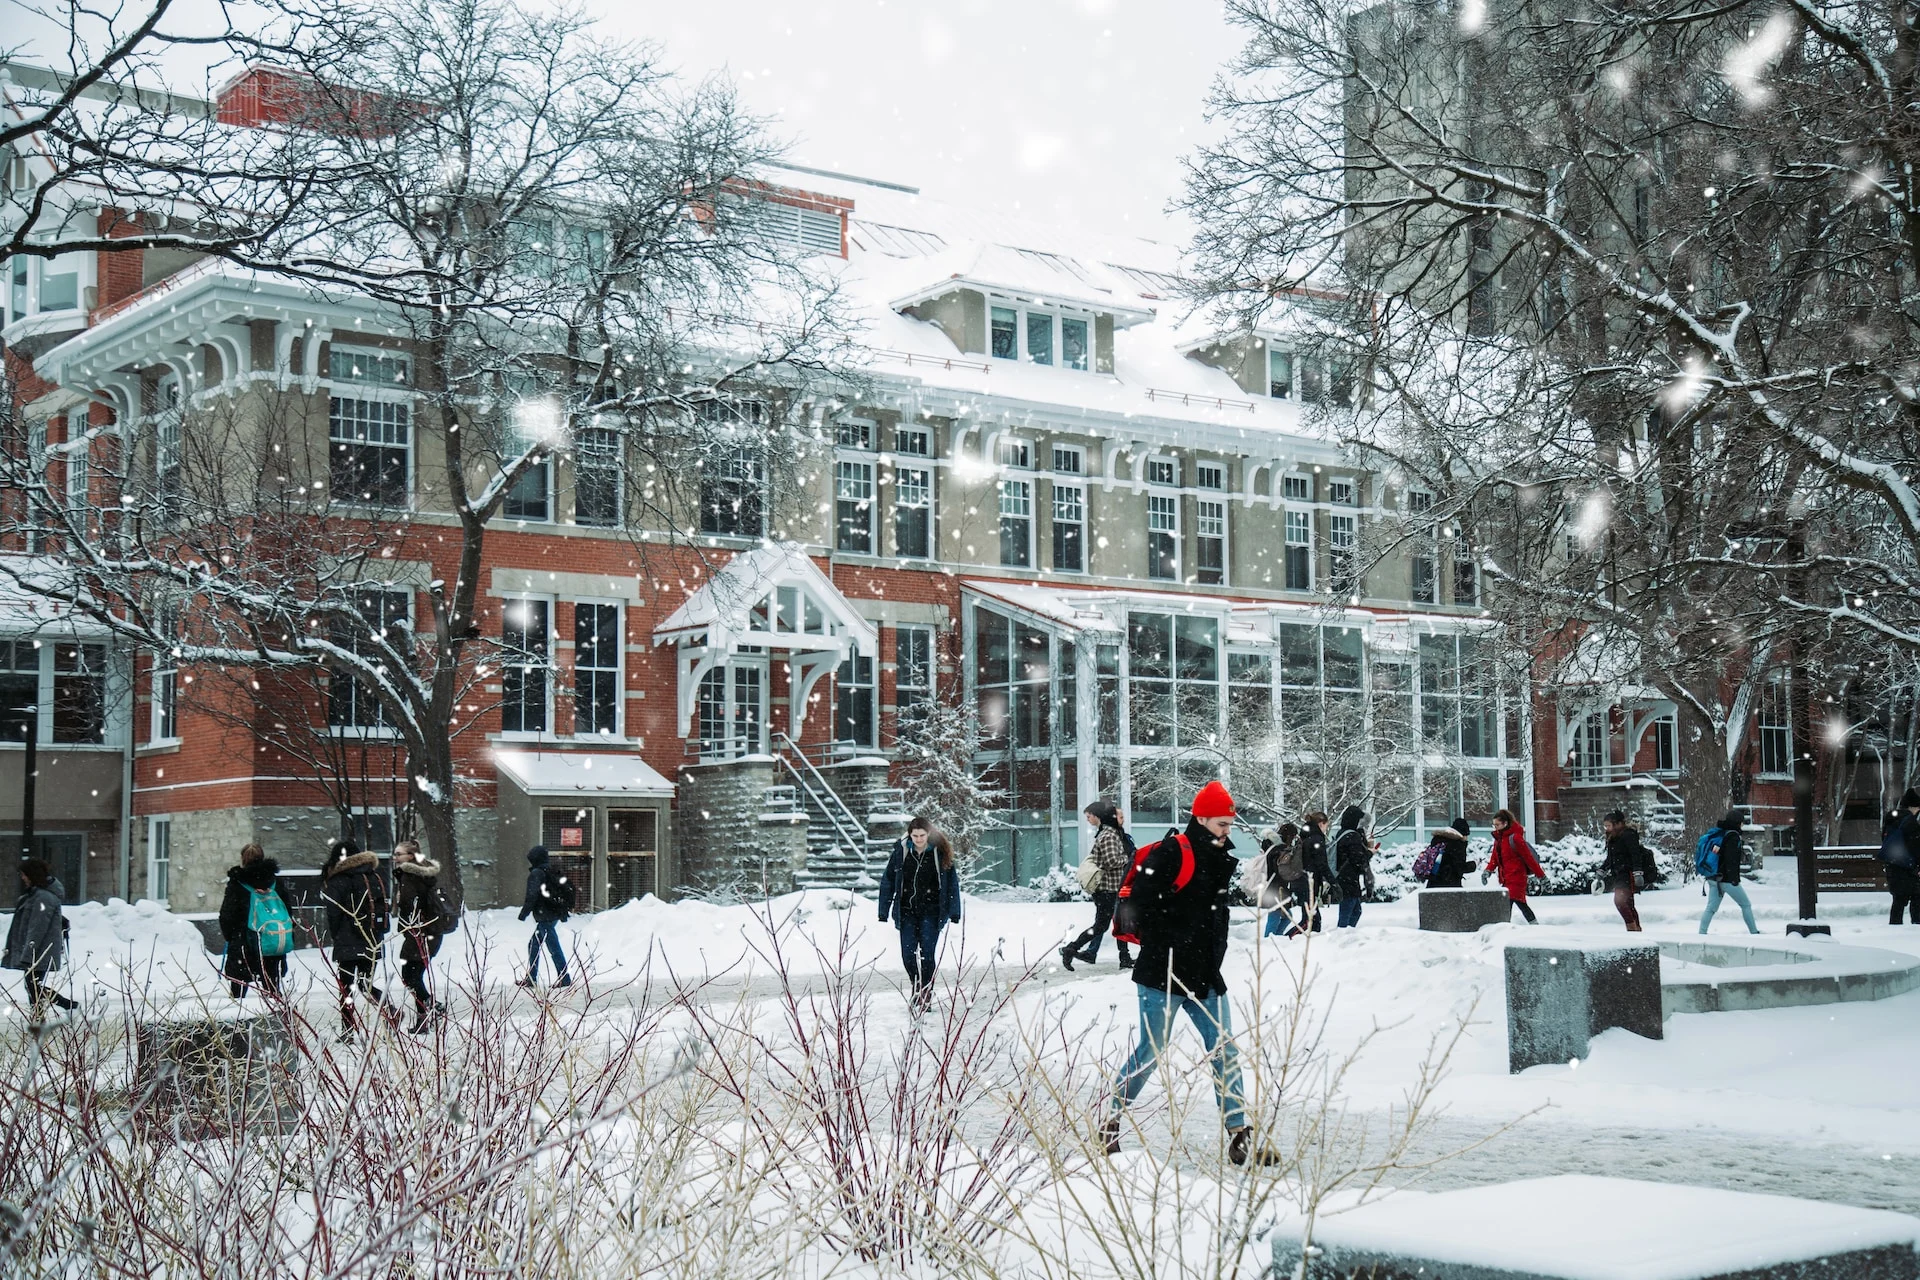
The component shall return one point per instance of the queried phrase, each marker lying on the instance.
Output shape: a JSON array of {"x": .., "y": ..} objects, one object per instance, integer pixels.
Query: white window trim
[
  {"x": 1079, "y": 473},
  {"x": 157, "y": 823},
  {"x": 926, "y": 458},
  {"x": 1305, "y": 479},
  {"x": 1179, "y": 533},
  {"x": 1286, "y": 545},
  {"x": 163, "y": 664},
  {"x": 1024, "y": 313},
  {"x": 1004, "y": 442},
  {"x": 388, "y": 391},
  {"x": 1226, "y": 533},
  {"x": 619, "y": 488},
  {"x": 933, "y": 661},
  {"x": 855, "y": 420},
  {"x": 1086, "y": 524},
  {"x": 911, "y": 462},
  {"x": 1293, "y": 377},
  {"x": 856, "y": 457},
  {"x": 1013, "y": 475},
  {"x": 1353, "y": 488},
  {"x": 349, "y": 391},
  {"x": 1146, "y": 469},
  {"x": 526, "y": 735},
  {"x": 619, "y": 669},
  {"x": 379, "y": 733}
]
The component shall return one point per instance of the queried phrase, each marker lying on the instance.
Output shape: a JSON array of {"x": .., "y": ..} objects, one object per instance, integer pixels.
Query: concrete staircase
[{"x": 844, "y": 849}]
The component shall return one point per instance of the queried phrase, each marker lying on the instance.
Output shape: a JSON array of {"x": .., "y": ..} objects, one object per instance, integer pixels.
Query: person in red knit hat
[{"x": 1181, "y": 890}]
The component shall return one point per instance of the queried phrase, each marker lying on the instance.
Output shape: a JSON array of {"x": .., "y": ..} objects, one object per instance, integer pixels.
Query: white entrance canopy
[
  {"x": 582, "y": 773},
  {"x": 770, "y": 598}
]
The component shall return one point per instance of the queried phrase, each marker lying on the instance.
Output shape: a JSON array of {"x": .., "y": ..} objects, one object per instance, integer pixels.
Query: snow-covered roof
[
  {"x": 747, "y": 590},
  {"x": 1031, "y": 275},
  {"x": 30, "y": 612},
  {"x": 581, "y": 773}
]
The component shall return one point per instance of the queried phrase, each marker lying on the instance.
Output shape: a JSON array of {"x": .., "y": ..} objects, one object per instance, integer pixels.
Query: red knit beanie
[{"x": 1213, "y": 802}]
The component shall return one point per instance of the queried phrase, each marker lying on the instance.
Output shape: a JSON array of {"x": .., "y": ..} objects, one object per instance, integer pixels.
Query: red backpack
[{"x": 1127, "y": 916}]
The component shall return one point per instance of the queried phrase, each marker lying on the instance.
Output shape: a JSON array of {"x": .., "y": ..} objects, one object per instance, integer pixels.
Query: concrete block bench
[
  {"x": 1561, "y": 995},
  {"x": 1586, "y": 1228},
  {"x": 1720, "y": 976},
  {"x": 1462, "y": 910},
  {"x": 214, "y": 1070}
]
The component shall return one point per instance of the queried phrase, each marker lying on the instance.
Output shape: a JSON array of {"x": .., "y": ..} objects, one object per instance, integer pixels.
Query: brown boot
[
  {"x": 1110, "y": 1135},
  {"x": 1240, "y": 1150}
]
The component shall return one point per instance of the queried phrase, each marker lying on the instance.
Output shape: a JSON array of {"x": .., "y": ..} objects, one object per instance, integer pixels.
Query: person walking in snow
[
  {"x": 1512, "y": 860},
  {"x": 357, "y": 921},
  {"x": 1353, "y": 864},
  {"x": 549, "y": 900},
  {"x": 36, "y": 937},
  {"x": 1903, "y": 882},
  {"x": 920, "y": 893},
  {"x": 245, "y": 965},
  {"x": 1280, "y": 852},
  {"x": 1453, "y": 865},
  {"x": 1625, "y": 867},
  {"x": 1112, "y": 852},
  {"x": 1317, "y": 886},
  {"x": 1725, "y": 881},
  {"x": 421, "y": 913},
  {"x": 1181, "y": 892}
]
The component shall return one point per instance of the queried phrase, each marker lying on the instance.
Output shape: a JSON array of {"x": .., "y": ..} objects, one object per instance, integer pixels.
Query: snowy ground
[{"x": 1815, "y": 1101}]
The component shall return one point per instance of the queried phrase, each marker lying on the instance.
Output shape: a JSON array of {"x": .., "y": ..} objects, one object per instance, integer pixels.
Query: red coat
[{"x": 1513, "y": 861}]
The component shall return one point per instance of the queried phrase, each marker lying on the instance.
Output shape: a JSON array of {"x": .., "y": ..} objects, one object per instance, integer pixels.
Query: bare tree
[{"x": 567, "y": 246}]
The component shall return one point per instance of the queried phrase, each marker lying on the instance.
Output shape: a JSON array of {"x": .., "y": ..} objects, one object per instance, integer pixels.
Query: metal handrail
[{"x": 821, "y": 792}]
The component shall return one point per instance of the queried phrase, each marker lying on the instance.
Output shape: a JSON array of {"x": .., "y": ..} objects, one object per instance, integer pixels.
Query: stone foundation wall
[{"x": 721, "y": 843}]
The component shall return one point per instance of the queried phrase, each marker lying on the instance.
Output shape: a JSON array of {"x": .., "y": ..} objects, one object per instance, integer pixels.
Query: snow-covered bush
[
  {"x": 1572, "y": 864},
  {"x": 1059, "y": 884}
]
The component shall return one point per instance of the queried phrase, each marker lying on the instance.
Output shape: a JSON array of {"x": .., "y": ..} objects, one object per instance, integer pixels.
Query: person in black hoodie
[
  {"x": 356, "y": 905},
  {"x": 244, "y": 965},
  {"x": 1317, "y": 883},
  {"x": 1726, "y": 882},
  {"x": 1904, "y": 882},
  {"x": 1454, "y": 865},
  {"x": 1183, "y": 940},
  {"x": 549, "y": 908},
  {"x": 1353, "y": 863},
  {"x": 1626, "y": 858},
  {"x": 421, "y": 912}
]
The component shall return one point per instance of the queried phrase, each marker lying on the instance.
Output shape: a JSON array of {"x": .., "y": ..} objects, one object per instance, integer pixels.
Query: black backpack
[{"x": 559, "y": 890}]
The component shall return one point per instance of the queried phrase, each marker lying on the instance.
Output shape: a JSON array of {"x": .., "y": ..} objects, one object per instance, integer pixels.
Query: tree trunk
[
  {"x": 436, "y": 809},
  {"x": 1706, "y": 777}
]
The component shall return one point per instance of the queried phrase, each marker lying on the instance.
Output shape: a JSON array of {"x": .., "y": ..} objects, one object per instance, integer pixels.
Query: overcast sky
[{"x": 1072, "y": 111}]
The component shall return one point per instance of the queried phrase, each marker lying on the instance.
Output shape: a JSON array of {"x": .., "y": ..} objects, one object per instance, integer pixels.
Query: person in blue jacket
[{"x": 920, "y": 893}]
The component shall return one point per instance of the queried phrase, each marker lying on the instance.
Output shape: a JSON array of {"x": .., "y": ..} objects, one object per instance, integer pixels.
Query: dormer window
[
  {"x": 1041, "y": 337},
  {"x": 1280, "y": 374}
]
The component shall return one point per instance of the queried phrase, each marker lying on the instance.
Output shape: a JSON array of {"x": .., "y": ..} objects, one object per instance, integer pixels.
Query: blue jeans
[
  {"x": 919, "y": 939},
  {"x": 1349, "y": 911},
  {"x": 1734, "y": 891},
  {"x": 1211, "y": 1018},
  {"x": 549, "y": 931}
]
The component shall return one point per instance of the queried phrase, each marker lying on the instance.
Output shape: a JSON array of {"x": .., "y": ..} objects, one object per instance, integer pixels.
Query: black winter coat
[
  {"x": 1183, "y": 935},
  {"x": 243, "y": 949},
  {"x": 1904, "y": 881},
  {"x": 1731, "y": 849},
  {"x": 1313, "y": 854},
  {"x": 1625, "y": 855},
  {"x": 541, "y": 905},
  {"x": 419, "y": 906},
  {"x": 1454, "y": 863},
  {"x": 356, "y": 902},
  {"x": 916, "y": 885}
]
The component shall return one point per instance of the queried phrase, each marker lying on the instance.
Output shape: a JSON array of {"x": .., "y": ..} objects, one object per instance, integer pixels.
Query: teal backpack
[
  {"x": 1706, "y": 854},
  {"x": 267, "y": 917}
]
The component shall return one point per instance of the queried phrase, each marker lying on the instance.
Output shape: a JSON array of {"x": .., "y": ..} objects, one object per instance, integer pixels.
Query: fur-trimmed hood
[
  {"x": 354, "y": 862},
  {"x": 425, "y": 868}
]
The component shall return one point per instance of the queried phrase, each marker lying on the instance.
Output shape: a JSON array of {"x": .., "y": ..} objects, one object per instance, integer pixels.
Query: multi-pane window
[
  {"x": 78, "y": 476},
  {"x": 912, "y": 670},
  {"x": 1163, "y": 536},
  {"x": 599, "y": 477},
  {"x": 1069, "y": 527},
  {"x": 1066, "y": 460},
  {"x": 525, "y": 643},
  {"x": 351, "y": 703},
  {"x": 1423, "y": 586},
  {"x": 1466, "y": 578},
  {"x": 1015, "y": 453},
  {"x": 913, "y": 512},
  {"x": 1775, "y": 725},
  {"x": 916, "y": 442},
  {"x": 167, "y": 424},
  {"x": 732, "y": 486},
  {"x": 1040, "y": 337},
  {"x": 1341, "y": 534},
  {"x": 733, "y": 472},
  {"x": 1209, "y": 476},
  {"x": 1174, "y": 701},
  {"x": 1419, "y": 502},
  {"x": 19, "y": 687},
  {"x": 1299, "y": 550},
  {"x": 853, "y": 506},
  {"x": 1340, "y": 493},
  {"x": 1280, "y": 374},
  {"x": 79, "y": 692},
  {"x": 372, "y": 446},
  {"x": 1163, "y": 471},
  {"x": 159, "y": 857},
  {"x": 1210, "y": 530},
  {"x": 1311, "y": 383},
  {"x": 596, "y": 669},
  {"x": 164, "y": 704},
  {"x": 853, "y": 718},
  {"x": 1666, "y": 755},
  {"x": 375, "y": 368},
  {"x": 1011, "y": 681},
  {"x": 853, "y": 433},
  {"x": 1016, "y": 523},
  {"x": 1296, "y": 488},
  {"x": 531, "y": 496}
]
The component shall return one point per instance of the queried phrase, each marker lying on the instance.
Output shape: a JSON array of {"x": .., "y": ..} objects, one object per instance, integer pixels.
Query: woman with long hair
[
  {"x": 1112, "y": 852},
  {"x": 920, "y": 893}
]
